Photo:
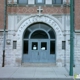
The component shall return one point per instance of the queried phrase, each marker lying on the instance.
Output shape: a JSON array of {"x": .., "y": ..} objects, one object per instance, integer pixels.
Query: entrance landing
[{"x": 38, "y": 64}]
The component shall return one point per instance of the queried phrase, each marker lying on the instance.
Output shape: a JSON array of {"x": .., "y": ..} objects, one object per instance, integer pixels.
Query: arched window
[{"x": 39, "y": 35}]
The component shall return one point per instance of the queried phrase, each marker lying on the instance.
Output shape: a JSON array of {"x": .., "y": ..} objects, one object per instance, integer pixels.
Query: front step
[
  {"x": 38, "y": 64},
  {"x": 37, "y": 79}
]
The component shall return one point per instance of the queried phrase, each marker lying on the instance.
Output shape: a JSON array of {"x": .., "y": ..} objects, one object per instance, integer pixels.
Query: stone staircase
[{"x": 38, "y": 64}]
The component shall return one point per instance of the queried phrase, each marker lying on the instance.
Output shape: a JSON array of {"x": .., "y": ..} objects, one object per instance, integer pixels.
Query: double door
[{"x": 39, "y": 50}]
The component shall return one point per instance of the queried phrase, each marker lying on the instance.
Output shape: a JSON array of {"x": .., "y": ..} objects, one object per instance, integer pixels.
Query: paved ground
[{"x": 36, "y": 72}]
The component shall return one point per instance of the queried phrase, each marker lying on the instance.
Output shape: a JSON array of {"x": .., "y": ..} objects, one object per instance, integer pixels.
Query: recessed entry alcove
[{"x": 39, "y": 43}]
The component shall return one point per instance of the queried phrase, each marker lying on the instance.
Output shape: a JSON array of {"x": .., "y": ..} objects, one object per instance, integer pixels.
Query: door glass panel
[
  {"x": 34, "y": 46},
  {"x": 43, "y": 46}
]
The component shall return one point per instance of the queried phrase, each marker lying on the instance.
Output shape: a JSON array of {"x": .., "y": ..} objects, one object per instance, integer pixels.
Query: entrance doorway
[
  {"x": 39, "y": 44},
  {"x": 39, "y": 50}
]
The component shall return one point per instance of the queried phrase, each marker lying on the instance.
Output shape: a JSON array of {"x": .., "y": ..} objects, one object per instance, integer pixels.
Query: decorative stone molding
[
  {"x": 59, "y": 18},
  {"x": 50, "y": 20},
  {"x": 19, "y": 17},
  {"x": 8, "y": 41}
]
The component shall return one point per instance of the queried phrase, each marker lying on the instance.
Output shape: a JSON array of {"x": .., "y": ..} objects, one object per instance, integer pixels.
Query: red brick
[
  {"x": 1, "y": 14},
  {"x": 77, "y": 14}
]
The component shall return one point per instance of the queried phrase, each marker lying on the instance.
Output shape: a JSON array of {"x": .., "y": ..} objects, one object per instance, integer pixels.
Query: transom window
[
  {"x": 40, "y": 1},
  {"x": 22, "y": 1},
  {"x": 39, "y": 35},
  {"x": 57, "y": 1}
]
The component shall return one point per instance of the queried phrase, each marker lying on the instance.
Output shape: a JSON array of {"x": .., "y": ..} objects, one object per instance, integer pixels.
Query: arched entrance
[{"x": 39, "y": 43}]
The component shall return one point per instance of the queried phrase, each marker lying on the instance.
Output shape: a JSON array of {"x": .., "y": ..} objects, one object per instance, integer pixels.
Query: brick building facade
[{"x": 38, "y": 31}]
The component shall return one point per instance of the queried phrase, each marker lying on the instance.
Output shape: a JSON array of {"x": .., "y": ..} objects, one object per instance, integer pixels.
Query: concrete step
[
  {"x": 38, "y": 79},
  {"x": 38, "y": 64}
]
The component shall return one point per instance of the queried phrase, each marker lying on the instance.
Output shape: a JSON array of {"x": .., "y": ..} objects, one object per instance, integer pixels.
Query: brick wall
[
  {"x": 1, "y": 14},
  {"x": 77, "y": 14},
  {"x": 33, "y": 10},
  {"x": 30, "y": 10}
]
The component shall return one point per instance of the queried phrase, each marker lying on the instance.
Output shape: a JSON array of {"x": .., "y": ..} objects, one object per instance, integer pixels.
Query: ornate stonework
[
  {"x": 19, "y": 17},
  {"x": 50, "y": 20},
  {"x": 53, "y": 22}
]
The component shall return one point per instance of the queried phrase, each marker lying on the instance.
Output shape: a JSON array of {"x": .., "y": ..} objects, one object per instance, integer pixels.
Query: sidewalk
[{"x": 36, "y": 72}]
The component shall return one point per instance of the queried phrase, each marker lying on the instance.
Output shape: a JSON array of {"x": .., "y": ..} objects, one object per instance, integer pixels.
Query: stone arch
[
  {"x": 51, "y": 21},
  {"x": 47, "y": 19}
]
